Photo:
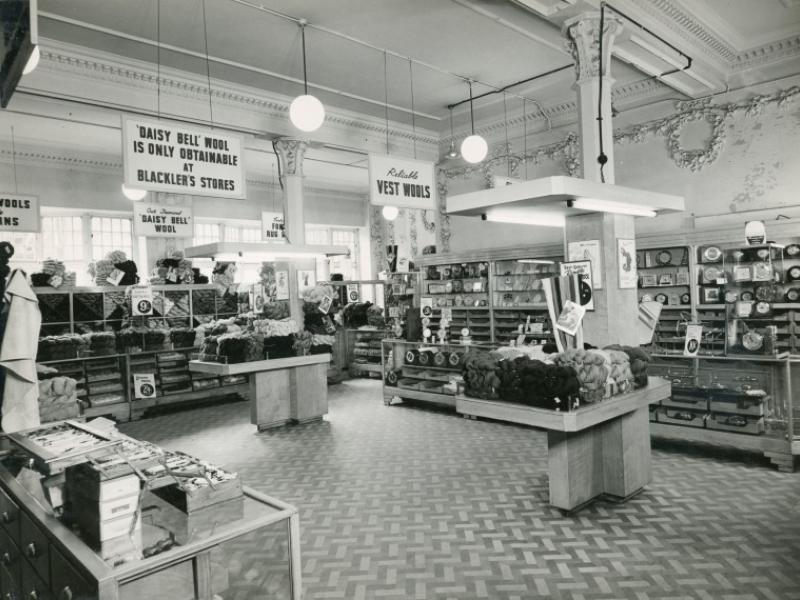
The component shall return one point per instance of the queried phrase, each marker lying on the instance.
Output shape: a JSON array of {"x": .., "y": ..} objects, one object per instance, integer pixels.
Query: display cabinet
[
  {"x": 364, "y": 351},
  {"x": 171, "y": 554},
  {"x": 518, "y": 301},
  {"x": 422, "y": 371},
  {"x": 744, "y": 401},
  {"x": 402, "y": 294}
]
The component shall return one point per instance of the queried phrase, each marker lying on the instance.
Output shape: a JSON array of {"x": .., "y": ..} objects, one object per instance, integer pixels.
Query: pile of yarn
[
  {"x": 276, "y": 310},
  {"x": 322, "y": 344},
  {"x": 302, "y": 343},
  {"x": 536, "y": 383},
  {"x": 356, "y": 314},
  {"x": 57, "y": 399},
  {"x": 639, "y": 359},
  {"x": 592, "y": 368},
  {"x": 120, "y": 261},
  {"x": 375, "y": 317},
  {"x": 60, "y": 347},
  {"x": 54, "y": 274},
  {"x": 174, "y": 268},
  {"x": 101, "y": 343},
  {"x": 480, "y": 377},
  {"x": 100, "y": 270},
  {"x": 621, "y": 373},
  {"x": 240, "y": 347}
]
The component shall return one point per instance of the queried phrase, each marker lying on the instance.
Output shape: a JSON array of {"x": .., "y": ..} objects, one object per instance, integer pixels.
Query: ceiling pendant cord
[
  {"x": 413, "y": 115},
  {"x": 158, "y": 60},
  {"x": 508, "y": 146},
  {"x": 471, "y": 112},
  {"x": 602, "y": 159},
  {"x": 525, "y": 136},
  {"x": 208, "y": 65},
  {"x": 386, "y": 96},
  {"x": 305, "y": 65},
  {"x": 14, "y": 160}
]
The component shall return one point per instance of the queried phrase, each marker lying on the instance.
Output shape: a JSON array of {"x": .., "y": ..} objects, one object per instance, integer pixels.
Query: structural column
[
  {"x": 614, "y": 317},
  {"x": 290, "y": 154}
]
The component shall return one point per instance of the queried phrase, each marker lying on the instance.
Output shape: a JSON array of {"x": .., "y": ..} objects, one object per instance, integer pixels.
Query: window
[
  {"x": 26, "y": 250},
  {"x": 348, "y": 266},
  {"x": 62, "y": 238},
  {"x": 317, "y": 235},
  {"x": 242, "y": 234},
  {"x": 110, "y": 234},
  {"x": 205, "y": 233}
]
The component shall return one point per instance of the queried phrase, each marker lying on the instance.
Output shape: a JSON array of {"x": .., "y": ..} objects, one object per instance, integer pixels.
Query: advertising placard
[
  {"x": 171, "y": 157},
  {"x": 144, "y": 385},
  {"x": 272, "y": 227},
  {"x": 141, "y": 301},
  {"x": 401, "y": 182},
  {"x": 159, "y": 220},
  {"x": 19, "y": 213}
]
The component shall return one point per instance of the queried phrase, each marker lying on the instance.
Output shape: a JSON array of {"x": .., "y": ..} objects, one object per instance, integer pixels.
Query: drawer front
[
  {"x": 33, "y": 588},
  {"x": 34, "y": 547},
  {"x": 9, "y": 553},
  {"x": 10, "y": 584},
  {"x": 9, "y": 515},
  {"x": 67, "y": 583}
]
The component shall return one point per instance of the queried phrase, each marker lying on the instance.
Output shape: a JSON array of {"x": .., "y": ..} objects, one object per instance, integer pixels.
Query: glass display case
[
  {"x": 171, "y": 553},
  {"x": 743, "y": 401},
  {"x": 518, "y": 300}
]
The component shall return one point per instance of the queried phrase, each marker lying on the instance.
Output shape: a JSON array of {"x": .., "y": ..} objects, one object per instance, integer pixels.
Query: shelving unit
[
  {"x": 402, "y": 294},
  {"x": 364, "y": 351}
]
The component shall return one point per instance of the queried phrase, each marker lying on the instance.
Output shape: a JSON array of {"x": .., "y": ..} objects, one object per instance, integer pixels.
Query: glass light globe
[
  {"x": 133, "y": 193},
  {"x": 390, "y": 212},
  {"x": 33, "y": 60},
  {"x": 306, "y": 113},
  {"x": 474, "y": 148}
]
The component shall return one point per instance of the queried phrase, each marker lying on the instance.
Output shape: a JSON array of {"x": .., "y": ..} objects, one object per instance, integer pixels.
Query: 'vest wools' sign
[
  {"x": 19, "y": 213},
  {"x": 166, "y": 157},
  {"x": 401, "y": 182}
]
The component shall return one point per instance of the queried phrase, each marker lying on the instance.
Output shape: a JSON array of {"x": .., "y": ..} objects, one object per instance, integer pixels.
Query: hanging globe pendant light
[
  {"x": 306, "y": 111},
  {"x": 474, "y": 148}
]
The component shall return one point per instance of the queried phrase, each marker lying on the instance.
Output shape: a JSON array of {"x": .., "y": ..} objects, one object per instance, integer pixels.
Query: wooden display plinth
[
  {"x": 601, "y": 449},
  {"x": 282, "y": 390}
]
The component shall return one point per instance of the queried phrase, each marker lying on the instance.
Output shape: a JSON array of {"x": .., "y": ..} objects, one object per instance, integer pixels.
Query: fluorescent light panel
[
  {"x": 592, "y": 204},
  {"x": 525, "y": 217},
  {"x": 535, "y": 261}
]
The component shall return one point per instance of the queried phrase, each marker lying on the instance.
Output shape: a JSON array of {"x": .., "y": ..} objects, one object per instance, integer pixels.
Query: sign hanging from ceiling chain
[
  {"x": 168, "y": 157},
  {"x": 402, "y": 182},
  {"x": 19, "y": 213}
]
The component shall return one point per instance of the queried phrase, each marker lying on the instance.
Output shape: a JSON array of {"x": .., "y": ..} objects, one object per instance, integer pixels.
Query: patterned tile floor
[{"x": 407, "y": 502}]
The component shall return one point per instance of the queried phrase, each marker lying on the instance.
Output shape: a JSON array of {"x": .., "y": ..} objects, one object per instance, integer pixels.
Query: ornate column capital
[
  {"x": 290, "y": 155},
  {"x": 583, "y": 42}
]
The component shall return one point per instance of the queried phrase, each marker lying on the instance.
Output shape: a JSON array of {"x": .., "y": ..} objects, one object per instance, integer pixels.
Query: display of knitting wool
[
  {"x": 53, "y": 274},
  {"x": 355, "y": 314},
  {"x": 227, "y": 304},
  {"x": 480, "y": 377},
  {"x": 275, "y": 327},
  {"x": 175, "y": 304},
  {"x": 279, "y": 346},
  {"x": 302, "y": 343},
  {"x": 87, "y": 307},
  {"x": 115, "y": 305},
  {"x": 54, "y": 308},
  {"x": 101, "y": 270},
  {"x": 621, "y": 373},
  {"x": 60, "y": 347},
  {"x": 276, "y": 310},
  {"x": 182, "y": 337},
  {"x": 101, "y": 343},
  {"x": 204, "y": 302},
  {"x": 130, "y": 338},
  {"x": 315, "y": 321},
  {"x": 593, "y": 371},
  {"x": 639, "y": 360},
  {"x": 215, "y": 328},
  {"x": 322, "y": 344},
  {"x": 375, "y": 317},
  {"x": 239, "y": 347},
  {"x": 155, "y": 339},
  {"x": 57, "y": 399},
  {"x": 535, "y": 383},
  {"x": 199, "y": 278}
]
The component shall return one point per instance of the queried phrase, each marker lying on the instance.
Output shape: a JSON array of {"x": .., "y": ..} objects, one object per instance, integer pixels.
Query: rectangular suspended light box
[
  {"x": 237, "y": 251},
  {"x": 548, "y": 201}
]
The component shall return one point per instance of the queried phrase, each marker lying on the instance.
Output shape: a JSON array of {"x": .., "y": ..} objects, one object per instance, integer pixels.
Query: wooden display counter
[
  {"x": 282, "y": 390},
  {"x": 600, "y": 449}
]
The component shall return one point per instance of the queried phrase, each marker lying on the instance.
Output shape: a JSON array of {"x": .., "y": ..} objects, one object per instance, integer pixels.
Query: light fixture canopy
[
  {"x": 610, "y": 206},
  {"x": 390, "y": 212},
  {"x": 33, "y": 61},
  {"x": 474, "y": 148},
  {"x": 133, "y": 193},
  {"x": 306, "y": 111}
]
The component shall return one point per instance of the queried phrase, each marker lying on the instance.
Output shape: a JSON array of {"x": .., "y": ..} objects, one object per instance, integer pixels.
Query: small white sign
[
  {"x": 352, "y": 292},
  {"x": 144, "y": 385},
  {"x": 694, "y": 334},
  {"x": 19, "y": 213},
  {"x": 588, "y": 250},
  {"x": 272, "y": 227},
  {"x": 583, "y": 269},
  {"x": 141, "y": 301},
  {"x": 570, "y": 318},
  {"x": 170, "y": 157},
  {"x": 115, "y": 277},
  {"x": 281, "y": 285},
  {"x": 159, "y": 220},
  {"x": 626, "y": 261},
  {"x": 325, "y": 304},
  {"x": 402, "y": 182}
]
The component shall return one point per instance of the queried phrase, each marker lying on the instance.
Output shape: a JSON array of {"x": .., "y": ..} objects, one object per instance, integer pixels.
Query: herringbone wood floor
[{"x": 407, "y": 502}]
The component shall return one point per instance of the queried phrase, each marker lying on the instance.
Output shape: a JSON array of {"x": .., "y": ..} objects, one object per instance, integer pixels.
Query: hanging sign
[
  {"x": 19, "y": 213},
  {"x": 144, "y": 385},
  {"x": 272, "y": 227},
  {"x": 583, "y": 269},
  {"x": 401, "y": 182},
  {"x": 167, "y": 157},
  {"x": 158, "y": 220},
  {"x": 141, "y": 301},
  {"x": 694, "y": 334}
]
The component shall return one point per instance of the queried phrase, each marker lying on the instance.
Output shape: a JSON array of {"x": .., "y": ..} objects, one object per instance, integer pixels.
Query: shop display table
[
  {"x": 282, "y": 390},
  {"x": 248, "y": 548},
  {"x": 600, "y": 449}
]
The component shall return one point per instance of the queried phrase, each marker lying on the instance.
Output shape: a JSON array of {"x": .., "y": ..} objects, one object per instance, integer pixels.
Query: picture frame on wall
[
  {"x": 626, "y": 263},
  {"x": 711, "y": 295}
]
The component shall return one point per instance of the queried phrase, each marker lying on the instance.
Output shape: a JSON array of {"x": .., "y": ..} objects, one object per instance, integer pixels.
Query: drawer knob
[
  {"x": 6, "y": 517},
  {"x": 33, "y": 595},
  {"x": 6, "y": 558},
  {"x": 65, "y": 593},
  {"x": 31, "y": 550}
]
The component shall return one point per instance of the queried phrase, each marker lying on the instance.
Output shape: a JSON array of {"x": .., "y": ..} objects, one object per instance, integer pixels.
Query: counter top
[{"x": 255, "y": 366}]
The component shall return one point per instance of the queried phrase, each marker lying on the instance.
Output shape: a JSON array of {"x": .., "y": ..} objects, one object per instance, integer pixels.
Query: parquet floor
[{"x": 407, "y": 502}]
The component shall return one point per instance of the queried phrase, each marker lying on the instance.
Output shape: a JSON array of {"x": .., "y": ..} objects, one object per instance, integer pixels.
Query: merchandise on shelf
[
  {"x": 536, "y": 383},
  {"x": 61, "y": 347},
  {"x": 173, "y": 269},
  {"x": 58, "y": 399},
  {"x": 53, "y": 274},
  {"x": 480, "y": 375},
  {"x": 101, "y": 342},
  {"x": 182, "y": 337},
  {"x": 275, "y": 327},
  {"x": 223, "y": 275}
]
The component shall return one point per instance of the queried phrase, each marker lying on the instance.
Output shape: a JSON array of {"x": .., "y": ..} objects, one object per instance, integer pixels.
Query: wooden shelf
[{"x": 420, "y": 395}]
